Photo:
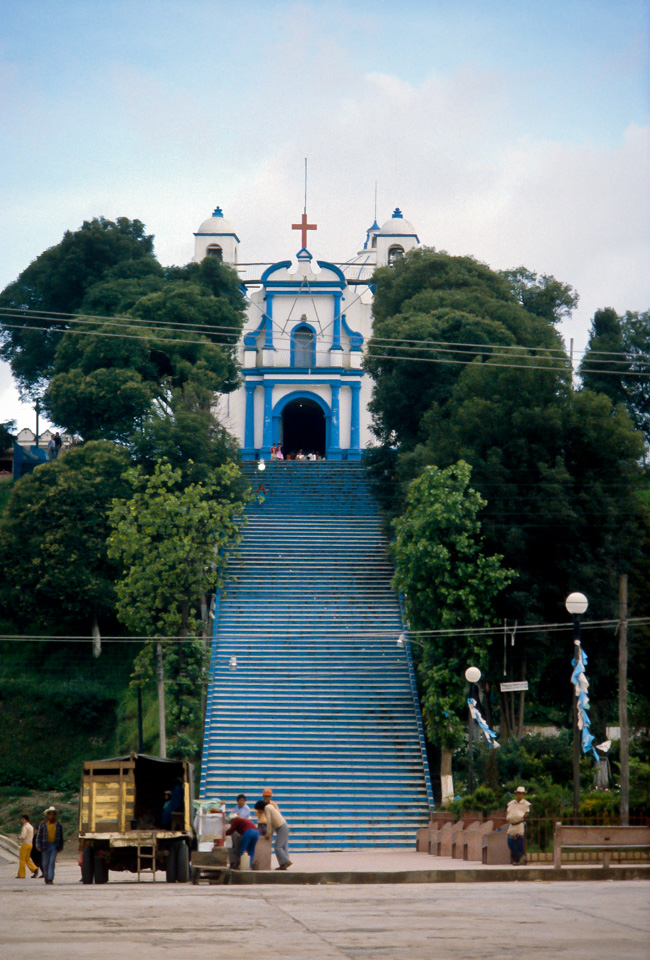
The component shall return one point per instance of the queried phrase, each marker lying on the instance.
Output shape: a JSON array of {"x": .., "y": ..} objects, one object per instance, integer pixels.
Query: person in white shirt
[
  {"x": 269, "y": 814},
  {"x": 26, "y": 840},
  {"x": 516, "y": 813}
]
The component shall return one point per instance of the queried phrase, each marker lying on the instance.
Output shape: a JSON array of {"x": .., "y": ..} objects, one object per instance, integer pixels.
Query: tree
[
  {"x": 616, "y": 362},
  {"x": 434, "y": 314},
  {"x": 7, "y": 428},
  {"x": 173, "y": 543},
  {"x": 56, "y": 282},
  {"x": 448, "y": 580},
  {"x": 543, "y": 296},
  {"x": 54, "y": 567},
  {"x": 487, "y": 381}
]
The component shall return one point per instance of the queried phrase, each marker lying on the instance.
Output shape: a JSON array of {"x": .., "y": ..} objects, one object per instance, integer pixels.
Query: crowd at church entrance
[{"x": 277, "y": 454}]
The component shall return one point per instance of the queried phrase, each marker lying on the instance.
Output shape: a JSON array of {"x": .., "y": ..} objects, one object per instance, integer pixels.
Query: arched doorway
[{"x": 303, "y": 428}]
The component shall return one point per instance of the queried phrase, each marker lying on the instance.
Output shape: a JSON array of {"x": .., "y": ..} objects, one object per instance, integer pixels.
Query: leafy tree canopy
[
  {"x": 543, "y": 296},
  {"x": 617, "y": 362},
  {"x": 105, "y": 378},
  {"x": 484, "y": 380},
  {"x": 56, "y": 282},
  {"x": 54, "y": 568},
  {"x": 448, "y": 579},
  {"x": 173, "y": 540}
]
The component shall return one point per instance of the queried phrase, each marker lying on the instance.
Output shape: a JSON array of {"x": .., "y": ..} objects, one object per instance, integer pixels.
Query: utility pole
[
  {"x": 622, "y": 700},
  {"x": 37, "y": 408},
  {"x": 161, "y": 701}
]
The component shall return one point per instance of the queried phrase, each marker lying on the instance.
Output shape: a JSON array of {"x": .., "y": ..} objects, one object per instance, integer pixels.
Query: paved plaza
[{"x": 147, "y": 921}]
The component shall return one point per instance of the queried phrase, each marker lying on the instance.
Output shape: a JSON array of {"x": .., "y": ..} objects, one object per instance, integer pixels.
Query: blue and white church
[
  {"x": 312, "y": 688},
  {"x": 303, "y": 342}
]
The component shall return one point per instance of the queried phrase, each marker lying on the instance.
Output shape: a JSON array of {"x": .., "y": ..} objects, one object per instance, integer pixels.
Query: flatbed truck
[{"x": 121, "y": 816}]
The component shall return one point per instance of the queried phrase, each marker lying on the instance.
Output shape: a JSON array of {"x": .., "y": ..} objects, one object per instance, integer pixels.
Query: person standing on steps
[
  {"x": 516, "y": 813},
  {"x": 26, "y": 842},
  {"x": 275, "y": 821},
  {"x": 49, "y": 840}
]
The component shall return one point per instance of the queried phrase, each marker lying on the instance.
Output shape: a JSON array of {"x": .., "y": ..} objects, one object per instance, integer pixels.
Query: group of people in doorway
[
  {"x": 277, "y": 454},
  {"x": 38, "y": 848},
  {"x": 246, "y": 833}
]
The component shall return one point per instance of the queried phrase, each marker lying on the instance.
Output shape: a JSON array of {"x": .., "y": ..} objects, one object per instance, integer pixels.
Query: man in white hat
[
  {"x": 516, "y": 813},
  {"x": 49, "y": 840}
]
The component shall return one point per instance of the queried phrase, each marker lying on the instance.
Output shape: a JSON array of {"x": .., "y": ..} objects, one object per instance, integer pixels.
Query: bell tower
[{"x": 216, "y": 237}]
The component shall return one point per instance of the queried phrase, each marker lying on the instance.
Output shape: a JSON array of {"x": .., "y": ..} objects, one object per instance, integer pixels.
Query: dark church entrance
[{"x": 303, "y": 424}]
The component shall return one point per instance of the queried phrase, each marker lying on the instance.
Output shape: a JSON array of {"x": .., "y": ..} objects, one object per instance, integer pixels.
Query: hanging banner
[
  {"x": 489, "y": 735},
  {"x": 581, "y": 688}
]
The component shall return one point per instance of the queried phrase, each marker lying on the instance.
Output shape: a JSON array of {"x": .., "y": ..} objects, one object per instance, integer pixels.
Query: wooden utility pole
[
  {"x": 622, "y": 700},
  {"x": 161, "y": 701}
]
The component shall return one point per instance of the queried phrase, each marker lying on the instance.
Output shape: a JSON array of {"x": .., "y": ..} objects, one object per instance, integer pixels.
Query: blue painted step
[{"x": 321, "y": 704}]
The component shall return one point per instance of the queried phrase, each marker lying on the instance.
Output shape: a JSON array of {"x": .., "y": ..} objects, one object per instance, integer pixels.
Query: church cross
[{"x": 304, "y": 226}]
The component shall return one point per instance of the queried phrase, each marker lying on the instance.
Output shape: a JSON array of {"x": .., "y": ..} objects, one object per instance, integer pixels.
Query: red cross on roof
[{"x": 304, "y": 226}]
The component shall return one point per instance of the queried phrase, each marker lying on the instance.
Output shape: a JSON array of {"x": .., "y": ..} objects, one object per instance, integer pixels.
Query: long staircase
[{"x": 310, "y": 692}]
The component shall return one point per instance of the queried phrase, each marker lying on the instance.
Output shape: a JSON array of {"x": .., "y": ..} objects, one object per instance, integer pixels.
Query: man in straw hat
[
  {"x": 516, "y": 813},
  {"x": 49, "y": 840}
]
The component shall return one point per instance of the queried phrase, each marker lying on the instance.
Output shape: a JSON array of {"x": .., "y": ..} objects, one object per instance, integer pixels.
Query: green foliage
[
  {"x": 173, "y": 541},
  {"x": 468, "y": 366},
  {"x": 639, "y": 784},
  {"x": 54, "y": 567},
  {"x": 543, "y": 296},
  {"x": 57, "y": 281},
  {"x": 173, "y": 545},
  {"x": 7, "y": 428},
  {"x": 59, "y": 707},
  {"x": 616, "y": 363},
  {"x": 447, "y": 580}
]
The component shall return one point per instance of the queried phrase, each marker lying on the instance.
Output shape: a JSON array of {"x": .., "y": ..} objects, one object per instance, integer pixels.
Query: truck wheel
[
  {"x": 88, "y": 865},
  {"x": 196, "y": 873},
  {"x": 101, "y": 870},
  {"x": 170, "y": 868},
  {"x": 183, "y": 863}
]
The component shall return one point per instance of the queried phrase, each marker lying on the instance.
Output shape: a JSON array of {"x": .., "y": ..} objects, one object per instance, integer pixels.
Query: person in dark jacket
[{"x": 49, "y": 840}]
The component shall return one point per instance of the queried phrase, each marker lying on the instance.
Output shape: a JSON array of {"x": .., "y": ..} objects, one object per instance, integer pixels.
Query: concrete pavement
[{"x": 147, "y": 921}]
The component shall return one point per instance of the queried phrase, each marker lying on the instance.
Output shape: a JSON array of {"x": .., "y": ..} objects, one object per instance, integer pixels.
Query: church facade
[{"x": 302, "y": 346}]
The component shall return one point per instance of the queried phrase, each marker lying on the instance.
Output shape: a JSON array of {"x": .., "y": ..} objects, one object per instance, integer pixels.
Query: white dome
[
  {"x": 397, "y": 225},
  {"x": 216, "y": 224}
]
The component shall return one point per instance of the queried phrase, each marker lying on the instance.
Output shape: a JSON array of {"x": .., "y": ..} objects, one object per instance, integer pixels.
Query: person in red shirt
[{"x": 248, "y": 833}]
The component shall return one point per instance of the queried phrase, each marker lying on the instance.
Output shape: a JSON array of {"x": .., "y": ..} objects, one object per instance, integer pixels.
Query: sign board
[{"x": 514, "y": 687}]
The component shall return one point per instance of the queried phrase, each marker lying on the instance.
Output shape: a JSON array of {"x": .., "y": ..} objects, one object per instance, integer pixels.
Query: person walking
[
  {"x": 26, "y": 843},
  {"x": 49, "y": 840},
  {"x": 516, "y": 813},
  {"x": 268, "y": 812}
]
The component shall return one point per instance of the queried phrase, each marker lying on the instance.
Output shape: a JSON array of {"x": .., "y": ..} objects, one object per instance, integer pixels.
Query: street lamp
[
  {"x": 472, "y": 675},
  {"x": 576, "y": 604}
]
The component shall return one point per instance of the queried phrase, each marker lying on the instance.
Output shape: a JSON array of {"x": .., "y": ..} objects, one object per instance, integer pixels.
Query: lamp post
[
  {"x": 576, "y": 604},
  {"x": 472, "y": 675}
]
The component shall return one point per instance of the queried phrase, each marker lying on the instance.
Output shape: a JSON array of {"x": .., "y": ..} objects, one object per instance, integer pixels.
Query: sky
[{"x": 516, "y": 132}]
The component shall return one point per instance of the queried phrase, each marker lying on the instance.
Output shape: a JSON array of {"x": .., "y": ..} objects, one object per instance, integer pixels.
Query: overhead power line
[{"x": 361, "y": 635}]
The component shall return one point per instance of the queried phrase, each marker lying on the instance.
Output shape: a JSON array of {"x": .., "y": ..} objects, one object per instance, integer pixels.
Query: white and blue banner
[
  {"x": 581, "y": 687},
  {"x": 475, "y": 713}
]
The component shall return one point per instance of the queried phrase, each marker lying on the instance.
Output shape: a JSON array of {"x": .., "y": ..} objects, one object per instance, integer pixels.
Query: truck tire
[
  {"x": 183, "y": 863},
  {"x": 101, "y": 870},
  {"x": 170, "y": 867},
  {"x": 88, "y": 865}
]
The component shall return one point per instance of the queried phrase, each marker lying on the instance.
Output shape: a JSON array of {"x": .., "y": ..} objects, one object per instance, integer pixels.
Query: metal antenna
[
  {"x": 375, "y": 201},
  {"x": 305, "y": 210}
]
